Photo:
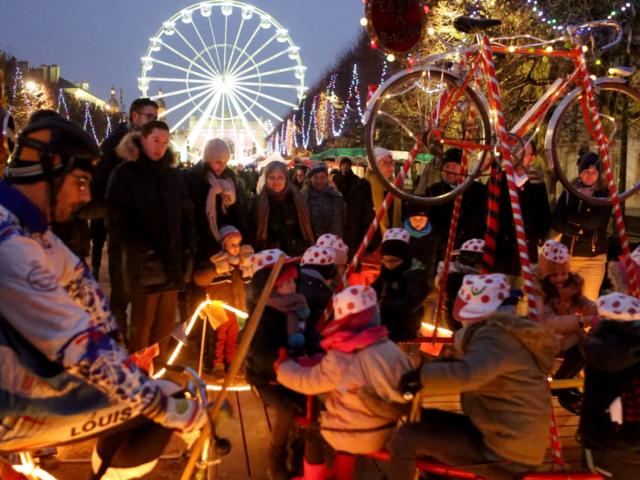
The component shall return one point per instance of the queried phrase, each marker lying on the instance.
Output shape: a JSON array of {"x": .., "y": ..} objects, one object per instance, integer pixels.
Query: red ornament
[
  {"x": 373, "y": 44},
  {"x": 396, "y": 25}
]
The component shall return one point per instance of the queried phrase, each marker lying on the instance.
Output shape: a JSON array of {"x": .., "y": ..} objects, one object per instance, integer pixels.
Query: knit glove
[
  {"x": 221, "y": 263},
  {"x": 183, "y": 414},
  {"x": 410, "y": 384},
  {"x": 214, "y": 314}
]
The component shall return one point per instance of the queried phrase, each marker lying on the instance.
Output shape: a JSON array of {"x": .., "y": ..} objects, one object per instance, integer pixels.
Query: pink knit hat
[{"x": 480, "y": 295}]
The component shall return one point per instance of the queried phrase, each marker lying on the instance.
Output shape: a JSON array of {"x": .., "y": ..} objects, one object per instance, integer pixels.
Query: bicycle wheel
[
  {"x": 569, "y": 133},
  {"x": 427, "y": 103}
]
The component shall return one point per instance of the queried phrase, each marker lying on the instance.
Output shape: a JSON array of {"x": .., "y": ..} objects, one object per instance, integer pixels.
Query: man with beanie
[
  {"x": 67, "y": 373},
  {"x": 499, "y": 370},
  {"x": 345, "y": 179},
  {"x": 473, "y": 211},
  {"x": 325, "y": 202},
  {"x": 610, "y": 423},
  {"x": 584, "y": 226},
  {"x": 401, "y": 287},
  {"x": 365, "y": 201}
]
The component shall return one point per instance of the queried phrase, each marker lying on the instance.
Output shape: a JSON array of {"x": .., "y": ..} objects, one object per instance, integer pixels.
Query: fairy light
[
  {"x": 545, "y": 18},
  {"x": 62, "y": 103},
  {"x": 88, "y": 122},
  {"x": 107, "y": 130}
]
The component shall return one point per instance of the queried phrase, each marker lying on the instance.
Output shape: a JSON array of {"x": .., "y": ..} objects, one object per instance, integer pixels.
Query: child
[
  {"x": 401, "y": 287},
  {"x": 317, "y": 272},
  {"x": 342, "y": 250},
  {"x": 282, "y": 325},
  {"x": 359, "y": 355},
  {"x": 225, "y": 280},
  {"x": 610, "y": 419},
  {"x": 499, "y": 371},
  {"x": 425, "y": 243},
  {"x": 565, "y": 310}
]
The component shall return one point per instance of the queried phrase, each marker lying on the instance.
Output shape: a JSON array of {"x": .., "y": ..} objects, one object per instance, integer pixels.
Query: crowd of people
[{"x": 175, "y": 236}]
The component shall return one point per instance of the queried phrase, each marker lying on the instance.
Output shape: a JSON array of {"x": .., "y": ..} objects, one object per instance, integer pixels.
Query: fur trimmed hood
[{"x": 129, "y": 149}]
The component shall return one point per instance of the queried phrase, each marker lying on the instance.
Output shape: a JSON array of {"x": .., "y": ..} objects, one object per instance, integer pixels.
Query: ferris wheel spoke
[
  {"x": 224, "y": 54},
  {"x": 259, "y": 105},
  {"x": 205, "y": 117},
  {"x": 173, "y": 93},
  {"x": 193, "y": 49},
  {"x": 243, "y": 120},
  {"x": 174, "y": 80},
  {"x": 182, "y": 69},
  {"x": 187, "y": 100},
  {"x": 251, "y": 57},
  {"x": 273, "y": 85},
  {"x": 267, "y": 73},
  {"x": 264, "y": 95},
  {"x": 215, "y": 43},
  {"x": 187, "y": 59},
  {"x": 241, "y": 109},
  {"x": 235, "y": 44},
  {"x": 243, "y": 50},
  {"x": 262, "y": 62},
  {"x": 190, "y": 112},
  {"x": 216, "y": 68},
  {"x": 232, "y": 116}
]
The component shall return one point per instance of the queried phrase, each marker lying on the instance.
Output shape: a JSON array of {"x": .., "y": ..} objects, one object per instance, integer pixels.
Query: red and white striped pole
[
  {"x": 370, "y": 232},
  {"x": 603, "y": 152}
]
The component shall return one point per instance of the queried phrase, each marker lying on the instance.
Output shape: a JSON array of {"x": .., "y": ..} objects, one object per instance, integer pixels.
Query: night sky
[{"x": 102, "y": 41}]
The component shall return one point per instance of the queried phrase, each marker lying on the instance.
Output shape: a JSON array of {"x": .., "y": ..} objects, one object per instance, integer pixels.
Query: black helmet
[{"x": 76, "y": 149}]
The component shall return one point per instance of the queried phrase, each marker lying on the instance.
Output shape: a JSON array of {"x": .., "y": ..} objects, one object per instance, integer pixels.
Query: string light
[
  {"x": 88, "y": 122},
  {"x": 62, "y": 103},
  {"x": 107, "y": 130}
]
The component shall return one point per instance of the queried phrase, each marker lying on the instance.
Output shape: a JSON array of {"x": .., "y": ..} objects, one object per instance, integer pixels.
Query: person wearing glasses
[
  {"x": 141, "y": 112},
  {"x": 65, "y": 376}
]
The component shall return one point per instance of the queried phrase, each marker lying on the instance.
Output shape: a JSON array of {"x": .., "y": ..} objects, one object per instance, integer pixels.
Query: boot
[
  {"x": 277, "y": 469},
  {"x": 313, "y": 472}
]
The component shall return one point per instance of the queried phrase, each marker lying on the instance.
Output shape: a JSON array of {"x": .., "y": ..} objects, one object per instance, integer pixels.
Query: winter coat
[
  {"x": 151, "y": 215},
  {"x": 75, "y": 234},
  {"x": 473, "y": 212},
  {"x": 583, "y": 226},
  {"x": 326, "y": 208},
  {"x": 230, "y": 288},
  {"x": 500, "y": 372},
  {"x": 378, "y": 367},
  {"x": 237, "y": 214},
  {"x": 270, "y": 336},
  {"x": 427, "y": 250},
  {"x": 345, "y": 183},
  {"x": 400, "y": 295},
  {"x": 536, "y": 215},
  {"x": 613, "y": 370},
  {"x": 318, "y": 294}
]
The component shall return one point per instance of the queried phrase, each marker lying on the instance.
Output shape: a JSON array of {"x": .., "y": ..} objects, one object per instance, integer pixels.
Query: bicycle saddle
[{"x": 474, "y": 25}]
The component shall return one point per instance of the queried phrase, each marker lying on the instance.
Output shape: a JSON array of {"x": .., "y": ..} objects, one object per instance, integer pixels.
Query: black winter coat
[
  {"x": 613, "y": 370},
  {"x": 400, "y": 296},
  {"x": 428, "y": 250},
  {"x": 536, "y": 214},
  {"x": 317, "y": 293},
  {"x": 108, "y": 162},
  {"x": 151, "y": 215},
  {"x": 583, "y": 226},
  {"x": 473, "y": 212},
  {"x": 345, "y": 183},
  {"x": 359, "y": 216},
  {"x": 236, "y": 215}
]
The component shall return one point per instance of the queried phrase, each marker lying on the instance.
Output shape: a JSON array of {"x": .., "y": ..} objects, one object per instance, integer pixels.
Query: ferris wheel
[{"x": 222, "y": 68}]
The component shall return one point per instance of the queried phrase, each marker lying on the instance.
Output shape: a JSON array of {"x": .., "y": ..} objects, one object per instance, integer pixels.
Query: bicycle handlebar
[{"x": 572, "y": 31}]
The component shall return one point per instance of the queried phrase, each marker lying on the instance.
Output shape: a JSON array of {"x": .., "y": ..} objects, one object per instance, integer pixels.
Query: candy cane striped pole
[
  {"x": 493, "y": 210},
  {"x": 495, "y": 101},
  {"x": 370, "y": 232},
  {"x": 603, "y": 147}
]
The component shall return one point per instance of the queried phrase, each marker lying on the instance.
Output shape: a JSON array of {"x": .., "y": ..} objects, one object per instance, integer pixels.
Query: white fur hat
[
  {"x": 380, "y": 152},
  {"x": 354, "y": 299}
]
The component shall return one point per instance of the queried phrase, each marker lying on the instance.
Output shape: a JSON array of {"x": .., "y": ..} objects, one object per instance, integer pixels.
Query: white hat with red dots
[
  {"x": 396, "y": 234},
  {"x": 355, "y": 306},
  {"x": 267, "y": 259},
  {"x": 475, "y": 245},
  {"x": 554, "y": 259},
  {"x": 480, "y": 295},
  {"x": 618, "y": 306},
  {"x": 333, "y": 241},
  {"x": 319, "y": 256}
]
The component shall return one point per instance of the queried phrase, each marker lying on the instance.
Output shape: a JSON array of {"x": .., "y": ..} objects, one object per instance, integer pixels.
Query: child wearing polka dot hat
[
  {"x": 617, "y": 271},
  {"x": 401, "y": 287},
  {"x": 610, "y": 418},
  {"x": 283, "y": 325},
  {"x": 499, "y": 370},
  {"x": 317, "y": 273},
  {"x": 359, "y": 357}
]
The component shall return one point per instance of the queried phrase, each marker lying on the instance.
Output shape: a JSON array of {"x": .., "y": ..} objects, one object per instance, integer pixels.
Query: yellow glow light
[
  {"x": 549, "y": 49},
  {"x": 511, "y": 48},
  {"x": 391, "y": 57},
  {"x": 430, "y": 31},
  {"x": 364, "y": 21},
  {"x": 445, "y": 332}
]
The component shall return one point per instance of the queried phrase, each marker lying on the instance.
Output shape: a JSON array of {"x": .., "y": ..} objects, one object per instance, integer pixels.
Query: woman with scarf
[
  {"x": 281, "y": 215},
  {"x": 218, "y": 198},
  {"x": 325, "y": 202},
  {"x": 283, "y": 325},
  {"x": 360, "y": 357},
  {"x": 584, "y": 226},
  {"x": 151, "y": 215}
]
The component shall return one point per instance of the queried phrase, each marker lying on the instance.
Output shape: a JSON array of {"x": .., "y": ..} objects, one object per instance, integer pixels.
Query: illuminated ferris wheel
[{"x": 222, "y": 68}]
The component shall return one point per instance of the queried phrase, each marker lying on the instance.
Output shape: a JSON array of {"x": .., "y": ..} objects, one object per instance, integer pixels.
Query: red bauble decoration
[{"x": 396, "y": 26}]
